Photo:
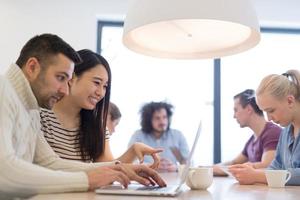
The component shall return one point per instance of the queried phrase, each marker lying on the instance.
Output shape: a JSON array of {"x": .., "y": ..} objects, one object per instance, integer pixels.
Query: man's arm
[
  {"x": 247, "y": 175},
  {"x": 241, "y": 158},
  {"x": 46, "y": 157},
  {"x": 98, "y": 174},
  {"x": 269, "y": 142},
  {"x": 20, "y": 177},
  {"x": 267, "y": 158}
]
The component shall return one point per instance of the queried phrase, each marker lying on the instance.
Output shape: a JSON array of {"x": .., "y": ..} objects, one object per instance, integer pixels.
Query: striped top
[{"x": 64, "y": 142}]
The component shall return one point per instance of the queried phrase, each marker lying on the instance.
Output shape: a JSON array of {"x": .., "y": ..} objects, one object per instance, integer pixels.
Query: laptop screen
[{"x": 189, "y": 160}]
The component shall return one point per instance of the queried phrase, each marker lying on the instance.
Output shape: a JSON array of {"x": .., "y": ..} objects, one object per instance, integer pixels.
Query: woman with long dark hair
[{"x": 76, "y": 127}]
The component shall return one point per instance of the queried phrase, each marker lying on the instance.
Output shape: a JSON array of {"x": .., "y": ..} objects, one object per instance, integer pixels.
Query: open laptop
[{"x": 138, "y": 189}]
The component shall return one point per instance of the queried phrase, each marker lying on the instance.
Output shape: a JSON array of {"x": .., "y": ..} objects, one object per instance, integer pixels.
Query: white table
[{"x": 222, "y": 188}]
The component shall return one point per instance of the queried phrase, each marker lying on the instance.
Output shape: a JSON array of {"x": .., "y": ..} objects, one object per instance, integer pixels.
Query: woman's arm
[
  {"x": 247, "y": 175},
  {"x": 139, "y": 150},
  {"x": 107, "y": 154},
  {"x": 136, "y": 150}
]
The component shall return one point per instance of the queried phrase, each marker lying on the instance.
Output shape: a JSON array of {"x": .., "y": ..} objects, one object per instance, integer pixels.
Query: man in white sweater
[{"x": 28, "y": 165}]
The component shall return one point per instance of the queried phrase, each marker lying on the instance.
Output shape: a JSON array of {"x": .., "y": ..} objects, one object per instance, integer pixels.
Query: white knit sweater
[{"x": 28, "y": 165}]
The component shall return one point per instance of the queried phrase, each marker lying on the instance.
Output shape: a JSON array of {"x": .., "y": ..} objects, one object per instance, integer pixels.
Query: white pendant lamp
[{"x": 190, "y": 29}]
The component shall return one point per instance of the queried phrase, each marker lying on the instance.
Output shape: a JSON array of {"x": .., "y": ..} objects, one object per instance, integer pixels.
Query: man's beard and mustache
[
  {"x": 46, "y": 100},
  {"x": 161, "y": 128}
]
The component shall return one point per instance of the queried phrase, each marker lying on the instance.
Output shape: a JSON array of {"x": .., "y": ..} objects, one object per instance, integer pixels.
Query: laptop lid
[{"x": 185, "y": 170}]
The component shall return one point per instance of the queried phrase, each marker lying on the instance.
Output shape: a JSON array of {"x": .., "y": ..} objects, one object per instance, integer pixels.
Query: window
[{"x": 137, "y": 79}]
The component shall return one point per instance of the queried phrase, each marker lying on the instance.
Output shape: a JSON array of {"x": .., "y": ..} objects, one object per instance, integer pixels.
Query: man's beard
[
  {"x": 37, "y": 87},
  {"x": 161, "y": 129}
]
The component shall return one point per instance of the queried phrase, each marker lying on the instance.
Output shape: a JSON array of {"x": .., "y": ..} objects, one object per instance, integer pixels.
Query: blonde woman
[{"x": 279, "y": 97}]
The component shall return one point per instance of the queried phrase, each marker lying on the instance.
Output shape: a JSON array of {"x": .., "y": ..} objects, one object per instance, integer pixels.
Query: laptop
[{"x": 141, "y": 190}]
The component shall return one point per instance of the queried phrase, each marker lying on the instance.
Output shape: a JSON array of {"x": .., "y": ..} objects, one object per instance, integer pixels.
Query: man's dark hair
[
  {"x": 44, "y": 47},
  {"x": 147, "y": 112},
  {"x": 248, "y": 97}
]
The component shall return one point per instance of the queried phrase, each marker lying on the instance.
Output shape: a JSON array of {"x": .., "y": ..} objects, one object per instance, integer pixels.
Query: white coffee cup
[
  {"x": 200, "y": 178},
  {"x": 277, "y": 178}
]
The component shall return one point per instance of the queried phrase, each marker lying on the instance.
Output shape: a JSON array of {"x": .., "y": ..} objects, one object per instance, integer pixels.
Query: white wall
[{"x": 75, "y": 21}]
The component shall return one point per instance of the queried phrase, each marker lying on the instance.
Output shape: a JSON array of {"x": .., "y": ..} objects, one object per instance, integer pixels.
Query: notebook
[{"x": 140, "y": 190}]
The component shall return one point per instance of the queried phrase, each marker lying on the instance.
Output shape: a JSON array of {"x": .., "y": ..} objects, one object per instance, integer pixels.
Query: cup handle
[{"x": 289, "y": 175}]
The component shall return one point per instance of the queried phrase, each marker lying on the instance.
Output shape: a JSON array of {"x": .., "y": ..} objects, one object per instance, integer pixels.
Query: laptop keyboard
[{"x": 152, "y": 188}]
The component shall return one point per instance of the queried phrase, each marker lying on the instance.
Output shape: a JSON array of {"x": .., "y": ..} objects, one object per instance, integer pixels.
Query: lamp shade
[{"x": 190, "y": 29}]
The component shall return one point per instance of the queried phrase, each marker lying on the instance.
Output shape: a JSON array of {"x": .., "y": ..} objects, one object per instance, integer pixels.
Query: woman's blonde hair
[{"x": 280, "y": 86}]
